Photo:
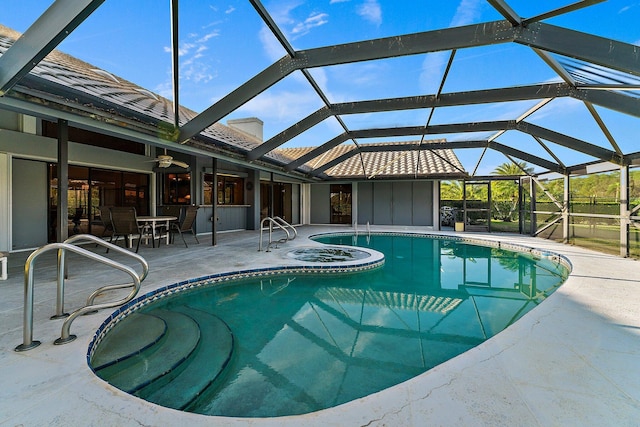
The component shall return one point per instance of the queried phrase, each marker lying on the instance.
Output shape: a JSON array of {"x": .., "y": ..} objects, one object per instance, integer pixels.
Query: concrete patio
[{"x": 573, "y": 360}]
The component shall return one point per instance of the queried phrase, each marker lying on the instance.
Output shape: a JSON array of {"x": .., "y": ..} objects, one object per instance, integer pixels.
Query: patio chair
[
  {"x": 105, "y": 220},
  {"x": 125, "y": 223},
  {"x": 77, "y": 219},
  {"x": 185, "y": 223}
]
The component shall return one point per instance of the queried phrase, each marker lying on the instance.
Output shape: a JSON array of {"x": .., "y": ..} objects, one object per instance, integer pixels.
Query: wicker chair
[{"x": 185, "y": 224}]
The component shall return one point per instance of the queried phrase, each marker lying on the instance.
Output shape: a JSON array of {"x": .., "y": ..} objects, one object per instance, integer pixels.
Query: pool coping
[{"x": 308, "y": 267}]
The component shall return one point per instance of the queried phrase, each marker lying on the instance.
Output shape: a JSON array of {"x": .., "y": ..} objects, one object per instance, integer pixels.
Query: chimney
[{"x": 251, "y": 126}]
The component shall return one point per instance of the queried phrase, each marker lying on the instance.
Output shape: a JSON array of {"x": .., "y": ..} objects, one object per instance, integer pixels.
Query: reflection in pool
[{"x": 291, "y": 344}]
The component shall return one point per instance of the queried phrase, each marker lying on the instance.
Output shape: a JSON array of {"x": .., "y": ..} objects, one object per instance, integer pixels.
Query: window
[
  {"x": 177, "y": 189},
  {"x": 230, "y": 189}
]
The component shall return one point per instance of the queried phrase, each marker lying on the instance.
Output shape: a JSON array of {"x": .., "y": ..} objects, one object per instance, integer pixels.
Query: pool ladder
[
  {"x": 355, "y": 230},
  {"x": 281, "y": 224},
  {"x": 68, "y": 245}
]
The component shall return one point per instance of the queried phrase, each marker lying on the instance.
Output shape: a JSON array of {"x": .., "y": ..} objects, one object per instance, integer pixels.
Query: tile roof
[
  {"x": 385, "y": 164},
  {"x": 62, "y": 76}
]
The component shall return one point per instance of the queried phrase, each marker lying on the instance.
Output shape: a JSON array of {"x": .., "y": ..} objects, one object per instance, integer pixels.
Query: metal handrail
[
  {"x": 28, "y": 342},
  {"x": 271, "y": 224},
  {"x": 287, "y": 225}
]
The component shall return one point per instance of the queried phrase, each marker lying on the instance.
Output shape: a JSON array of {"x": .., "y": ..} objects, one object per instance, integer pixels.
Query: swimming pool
[{"x": 289, "y": 343}]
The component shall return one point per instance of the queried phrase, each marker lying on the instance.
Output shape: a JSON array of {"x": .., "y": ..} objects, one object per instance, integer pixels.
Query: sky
[{"x": 225, "y": 43}]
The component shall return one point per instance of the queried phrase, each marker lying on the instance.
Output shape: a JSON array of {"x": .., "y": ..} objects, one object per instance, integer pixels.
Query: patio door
[
  {"x": 477, "y": 205},
  {"x": 340, "y": 202}
]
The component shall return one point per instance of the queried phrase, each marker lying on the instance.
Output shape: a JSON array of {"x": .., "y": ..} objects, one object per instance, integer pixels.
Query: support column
[
  {"x": 566, "y": 204},
  {"x": 252, "y": 196},
  {"x": 521, "y": 211},
  {"x": 354, "y": 202},
  {"x": 625, "y": 221},
  {"x": 5, "y": 202},
  {"x": 62, "y": 216},
  {"x": 271, "y": 196},
  {"x": 214, "y": 202},
  {"x": 532, "y": 207}
]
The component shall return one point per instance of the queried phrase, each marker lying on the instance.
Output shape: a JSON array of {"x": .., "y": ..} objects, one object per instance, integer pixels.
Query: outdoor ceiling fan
[{"x": 165, "y": 160}]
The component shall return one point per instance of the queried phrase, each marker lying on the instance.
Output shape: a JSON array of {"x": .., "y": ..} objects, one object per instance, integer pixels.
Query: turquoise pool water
[{"x": 296, "y": 343}]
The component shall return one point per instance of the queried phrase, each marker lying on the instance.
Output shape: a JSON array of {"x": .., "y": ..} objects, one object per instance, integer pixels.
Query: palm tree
[{"x": 505, "y": 193}]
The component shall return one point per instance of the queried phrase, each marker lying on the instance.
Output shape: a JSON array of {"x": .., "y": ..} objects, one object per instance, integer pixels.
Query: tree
[{"x": 505, "y": 193}]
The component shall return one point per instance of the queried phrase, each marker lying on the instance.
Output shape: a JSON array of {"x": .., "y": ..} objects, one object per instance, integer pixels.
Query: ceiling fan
[{"x": 165, "y": 160}]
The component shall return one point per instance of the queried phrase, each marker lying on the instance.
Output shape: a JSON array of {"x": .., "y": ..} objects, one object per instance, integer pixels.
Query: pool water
[{"x": 293, "y": 344}]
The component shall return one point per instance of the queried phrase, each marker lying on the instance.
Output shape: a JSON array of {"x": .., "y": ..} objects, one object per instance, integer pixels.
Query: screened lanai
[{"x": 549, "y": 87}]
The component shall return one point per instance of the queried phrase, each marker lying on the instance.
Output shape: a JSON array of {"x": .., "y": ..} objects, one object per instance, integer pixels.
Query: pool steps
[{"x": 168, "y": 371}]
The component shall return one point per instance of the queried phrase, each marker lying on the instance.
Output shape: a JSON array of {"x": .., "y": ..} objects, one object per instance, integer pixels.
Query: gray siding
[
  {"x": 383, "y": 203},
  {"x": 295, "y": 204},
  {"x": 396, "y": 203},
  {"x": 232, "y": 218},
  {"x": 402, "y": 196},
  {"x": 29, "y": 204},
  {"x": 365, "y": 202},
  {"x": 422, "y": 203},
  {"x": 320, "y": 212}
]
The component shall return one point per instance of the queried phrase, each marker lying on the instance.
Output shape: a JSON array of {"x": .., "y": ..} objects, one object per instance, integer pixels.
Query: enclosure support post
[
  {"x": 624, "y": 211},
  {"x": 534, "y": 221},
  {"x": 566, "y": 203}
]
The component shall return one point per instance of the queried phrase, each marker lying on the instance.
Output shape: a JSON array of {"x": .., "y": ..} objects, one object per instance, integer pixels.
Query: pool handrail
[
  {"x": 287, "y": 225},
  {"x": 273, "y": 222},
  {"x": 28, "y": 342}
]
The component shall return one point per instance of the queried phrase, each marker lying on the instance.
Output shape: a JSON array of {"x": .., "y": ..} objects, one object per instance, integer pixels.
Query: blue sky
[{"x": 223, "y": 44}]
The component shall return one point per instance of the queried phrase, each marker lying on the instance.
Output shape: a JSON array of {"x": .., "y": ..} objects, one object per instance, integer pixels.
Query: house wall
[
  {"x": 381, "y": 203},
  {"x": 23, "y": 178},
  {"x": 29, "y": 207},
  {"x": 320, "y": 213}
]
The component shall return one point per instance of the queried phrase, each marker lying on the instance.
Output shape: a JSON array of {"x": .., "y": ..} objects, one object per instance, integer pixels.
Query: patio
[{"x": 570, "y": 361}]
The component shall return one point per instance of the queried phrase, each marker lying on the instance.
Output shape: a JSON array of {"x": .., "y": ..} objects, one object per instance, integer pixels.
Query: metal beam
[
  {"x": 521, "y": 93},
  {"x": 319, "y": 170},
  {"x": 53, "y": 26},
  {"x": 266, "y": 18},
  {"x": 608, "y": 99},
  {"x": 506, "y": 11},
  {"x": 586, "y": 47},
  {"x": 175, "y": 63},
  {"x": 317, "y": 151},
  {"x": 570, "y": 142},
  {"x": 603, "y": 127},
  {"x": 484, "y": 34},
  {"x": 561, "y": 11},
  {"x": 252, "y": 87},
  {"x": 435, "y": 129},
  {"x": 555, "y": 66},
  {"x": 529, "y": 158},
  {"x": 397, "y": 147},
  {"x": 427, "y": 146},
  {"x": 290, "y": 133}
]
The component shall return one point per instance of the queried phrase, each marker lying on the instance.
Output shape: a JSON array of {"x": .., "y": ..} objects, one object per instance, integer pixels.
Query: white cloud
[
  {"x": 338, "y": 1},
  {"x": 185, "y": 48},
  {"x": 468, "y": 12},
  {"x": 314, "y": 20},
  {"x": 229, "y": 10},
  {"x": 371, "y": 11},
  {"x": 270, "y": 44},
  {"x": 208, "y": 36},
  {"x": 281, "y": 106},
  {"x": 432, "y": 71}
]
